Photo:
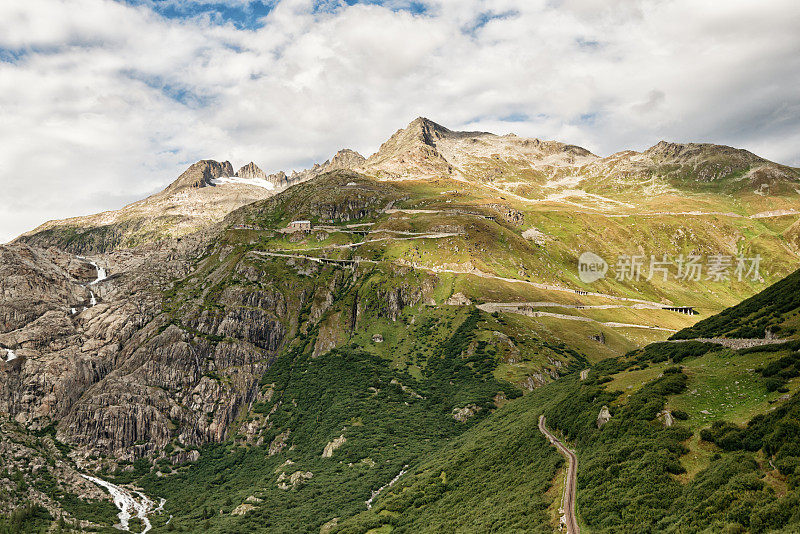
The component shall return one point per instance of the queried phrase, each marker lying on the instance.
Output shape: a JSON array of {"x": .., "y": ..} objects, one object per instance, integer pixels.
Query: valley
[{"x": 390, "y": 364}]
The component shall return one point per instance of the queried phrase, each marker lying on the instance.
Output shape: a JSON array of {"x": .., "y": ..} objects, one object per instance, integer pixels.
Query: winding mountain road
[
  {"x": 568, "y": 504},
  {"x": 638, "y": 303}
]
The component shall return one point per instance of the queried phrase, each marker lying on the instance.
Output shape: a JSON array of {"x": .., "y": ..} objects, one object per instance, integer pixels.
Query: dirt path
[
  {"x": 733, "y": 343},
  {"x": 437, "y": 235},
  {"x": 546, "y": 287},
  {"x": 513, "y": 307},
  {"x": 532, "y": 313},
  {"x": 570, "y": 488}
]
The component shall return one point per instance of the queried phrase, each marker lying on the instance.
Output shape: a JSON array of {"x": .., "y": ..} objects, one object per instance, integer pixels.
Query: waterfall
[
  {"x": 102, "y": 274},
  {"x": 389, "y": 484},
  {"x": 128, "y": 504}
]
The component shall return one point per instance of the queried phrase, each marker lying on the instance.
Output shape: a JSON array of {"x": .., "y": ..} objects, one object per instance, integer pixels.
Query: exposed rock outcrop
[
  {"x": 327, "y": 452},
  {"x": 665, "y": 416},
  {"x": 603, "y": 417},
  {"x": 508, "y": 214},
  {"x": 201, "y": 174},
  {"x": 458, "y": 299},
  {"x": 251, "y": 171},
  {"x": 279, "y": 443},
  {"x": 462, "y": 414},
  {"x": 345, "y": 159},
  {"x": 287, "y": 482}
]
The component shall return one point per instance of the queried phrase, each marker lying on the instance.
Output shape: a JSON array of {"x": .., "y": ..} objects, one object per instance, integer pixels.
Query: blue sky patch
[
  {"x": 248, "y": 15},
  {"x": 244, "y": 16},
  {"x": 485, "y": 18},
  {"x": 8, "y": 55},
  {"x": 516, "y": 117}
]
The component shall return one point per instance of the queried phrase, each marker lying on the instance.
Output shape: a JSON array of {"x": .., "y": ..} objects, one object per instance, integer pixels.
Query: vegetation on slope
[
  {"x": 631, "y": 477},
  {"x": 776, "y": 309},
  {"x": 388, "y": 420}
]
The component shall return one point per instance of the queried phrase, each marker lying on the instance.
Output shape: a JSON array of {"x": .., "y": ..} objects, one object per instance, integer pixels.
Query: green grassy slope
[
  {"x": 776, "y": 309},
  {"x": 489, "y": 242},
  {"x": 388, "y": 418},
  {"x": 378, "y": 355}
]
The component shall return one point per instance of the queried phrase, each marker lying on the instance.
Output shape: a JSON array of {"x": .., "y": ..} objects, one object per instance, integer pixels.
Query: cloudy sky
[{"x": 103, "y": 102}]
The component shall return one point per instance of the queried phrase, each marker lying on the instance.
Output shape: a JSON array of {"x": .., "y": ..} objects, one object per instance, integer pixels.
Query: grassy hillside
[
  {"x": 635, "y": 473},
  {"x": 776, "y": 309},
  {"x": 481, "y": 241},
  {"x": 728, "y": 462},
  {"x": 383, "y": 419}
]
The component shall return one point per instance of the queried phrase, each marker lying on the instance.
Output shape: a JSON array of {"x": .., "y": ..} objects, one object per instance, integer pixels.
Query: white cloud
[{"x": 106, "y": 102}]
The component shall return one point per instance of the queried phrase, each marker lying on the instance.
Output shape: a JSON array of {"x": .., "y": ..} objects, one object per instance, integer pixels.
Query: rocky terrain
[
  {"x": 203, "y": 195},
  {"x": 138, "y": 343}
]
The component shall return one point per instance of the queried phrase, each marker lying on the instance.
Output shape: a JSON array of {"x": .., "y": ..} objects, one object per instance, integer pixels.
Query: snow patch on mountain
[{"x": 244, "y": 181}]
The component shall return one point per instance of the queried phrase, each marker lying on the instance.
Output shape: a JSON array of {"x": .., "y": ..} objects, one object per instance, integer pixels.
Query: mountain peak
[
  {"x": 700, "y": 152},
  {"x": 201, "y": 174},
  {"x": 345, "y": 159},
  {"x": 251, "y": 170},
  {"x": 412, "y": 150},
  {"x": 426, "y": 130}
]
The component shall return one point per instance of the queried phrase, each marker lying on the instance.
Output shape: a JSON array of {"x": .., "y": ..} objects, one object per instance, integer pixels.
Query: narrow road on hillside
[
  {"x": 355, "y": 261},
  {"x": 570, "y": 488},
  {"x": 532, "y": 313},
  {"x": 734, "y": 343}
]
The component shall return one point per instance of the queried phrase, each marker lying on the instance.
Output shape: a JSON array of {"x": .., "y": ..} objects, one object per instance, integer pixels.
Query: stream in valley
[{"x": 130, "y": 503}]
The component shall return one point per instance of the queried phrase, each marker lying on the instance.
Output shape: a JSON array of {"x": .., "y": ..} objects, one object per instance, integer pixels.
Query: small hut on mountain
[{"x": 300, "y": 226}]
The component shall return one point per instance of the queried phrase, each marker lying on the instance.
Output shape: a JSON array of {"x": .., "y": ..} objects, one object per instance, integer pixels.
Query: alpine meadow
[{"x": 439, "y": 330}]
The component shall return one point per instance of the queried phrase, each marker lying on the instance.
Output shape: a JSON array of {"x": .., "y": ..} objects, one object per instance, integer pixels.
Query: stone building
[{"x": 300, "y": 226}]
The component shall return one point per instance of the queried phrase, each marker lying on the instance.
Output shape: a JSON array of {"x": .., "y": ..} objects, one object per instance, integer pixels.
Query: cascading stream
[
  {"x": 102, "y": 274},
  {"x": 129, "y": 505}
]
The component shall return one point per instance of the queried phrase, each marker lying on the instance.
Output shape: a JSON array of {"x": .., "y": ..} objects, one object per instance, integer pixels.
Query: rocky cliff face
[
  {"x": 251, "y": 171},
  {"x": 140, "y": 364},
  {"x": 201, "y": 174},
  {"x": 74, "y": 336}
]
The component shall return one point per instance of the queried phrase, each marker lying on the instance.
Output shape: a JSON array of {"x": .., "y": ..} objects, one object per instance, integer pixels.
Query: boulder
[{"x": 603, "y": 417}]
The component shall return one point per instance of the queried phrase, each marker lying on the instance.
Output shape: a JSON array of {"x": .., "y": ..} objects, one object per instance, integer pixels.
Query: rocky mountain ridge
[
  {"x": 208, "y": 335},
  {"x": 425, "y": 149},
  {"x": 529, "y": 168},
  {"x": 202, "y": 195}
]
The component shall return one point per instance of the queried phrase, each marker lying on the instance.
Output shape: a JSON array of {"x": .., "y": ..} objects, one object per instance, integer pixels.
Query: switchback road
[{"x": 571, "y": 483}]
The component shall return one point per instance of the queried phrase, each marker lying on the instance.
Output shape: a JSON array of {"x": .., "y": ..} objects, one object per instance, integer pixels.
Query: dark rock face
[
  {"x": 126, "y": 376},
  {"x": 201, "y": 174},
  {"x": 33, "y": 281},
  {"x": 118, "y": 377},
  {"x": 279, "y": 179},
  {"x": 254, "y": 326}
]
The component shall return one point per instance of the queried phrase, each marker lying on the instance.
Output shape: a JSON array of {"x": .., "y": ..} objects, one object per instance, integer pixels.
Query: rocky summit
[{"x": 408, "y": 342}]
